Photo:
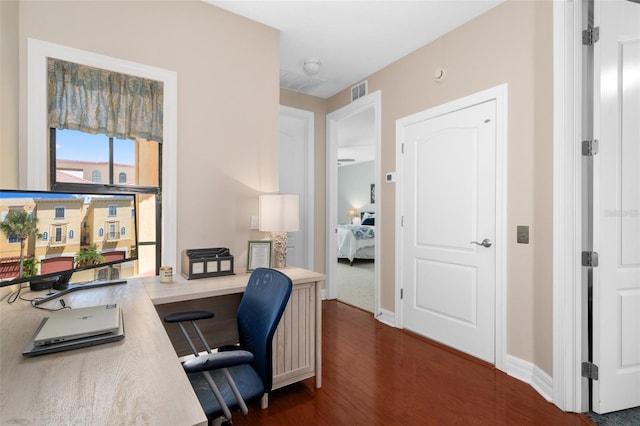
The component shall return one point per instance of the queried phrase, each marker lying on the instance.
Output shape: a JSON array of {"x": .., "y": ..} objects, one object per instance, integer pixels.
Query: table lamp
[
  {"x": 279, "y": 214},
  {"x": 353, "y": 214}
]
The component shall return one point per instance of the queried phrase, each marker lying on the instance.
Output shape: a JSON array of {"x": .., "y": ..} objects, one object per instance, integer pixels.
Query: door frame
[
  {"x": 570, "y": 391},
  {"x": 500, "y": 95},
  {"x": 307, "y": 207},
  {"x": 372, "y": 100}
]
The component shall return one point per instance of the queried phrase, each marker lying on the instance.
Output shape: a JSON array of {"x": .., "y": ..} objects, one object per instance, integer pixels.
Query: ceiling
[{"x": 352, "y": 39}]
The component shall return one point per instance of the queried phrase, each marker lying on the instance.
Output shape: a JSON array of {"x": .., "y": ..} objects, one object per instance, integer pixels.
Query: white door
[
  {"x": 296, "y": 178},
  {"x": 449, "y": 201},
  {"x": 616, "y": 282}
]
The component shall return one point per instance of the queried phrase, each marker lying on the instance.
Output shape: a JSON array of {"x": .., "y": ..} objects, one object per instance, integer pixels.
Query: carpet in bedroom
[{"x": 355, "y": 283}]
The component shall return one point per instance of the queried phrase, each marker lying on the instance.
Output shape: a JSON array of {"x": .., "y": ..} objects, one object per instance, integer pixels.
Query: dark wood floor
[{"x": 374, "y": 374}]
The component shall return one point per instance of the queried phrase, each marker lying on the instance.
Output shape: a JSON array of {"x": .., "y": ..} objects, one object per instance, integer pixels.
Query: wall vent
[{"x": 359, "y": 90}]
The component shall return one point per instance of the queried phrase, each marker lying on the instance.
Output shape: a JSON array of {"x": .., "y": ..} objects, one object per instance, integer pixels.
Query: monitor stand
[{"x": 76, "y": 287}]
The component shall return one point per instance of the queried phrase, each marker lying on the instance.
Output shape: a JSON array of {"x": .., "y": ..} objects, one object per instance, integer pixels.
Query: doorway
[
  {"x": 574, "y": 122},
  {"x": 353, "y": 170}
]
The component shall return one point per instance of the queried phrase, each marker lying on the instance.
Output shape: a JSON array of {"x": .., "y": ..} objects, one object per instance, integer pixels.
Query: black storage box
[{"x": 207, "y": 262}]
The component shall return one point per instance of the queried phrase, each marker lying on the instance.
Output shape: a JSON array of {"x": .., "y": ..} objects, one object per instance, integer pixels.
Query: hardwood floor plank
[{"x": 374, "y": 374}]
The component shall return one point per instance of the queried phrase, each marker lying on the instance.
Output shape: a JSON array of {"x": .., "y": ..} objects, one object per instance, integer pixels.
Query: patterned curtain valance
[{"x": 99, "y": 101}]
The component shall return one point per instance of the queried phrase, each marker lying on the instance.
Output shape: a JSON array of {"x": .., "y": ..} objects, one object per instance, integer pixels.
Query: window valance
[{"x": 93, "y": 100}]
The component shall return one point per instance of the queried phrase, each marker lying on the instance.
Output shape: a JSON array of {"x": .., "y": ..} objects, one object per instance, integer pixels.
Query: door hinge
[
  {"x": 402, "y": 148},
  {"x": 590, "y": 36},
  {"x": 401, "y": 221},
  {"x": 589, "y": 370},
  {"x": 401, "y": 293},
  {"x": 590, "y": 147},
  {"x": 590, "y": 259}
]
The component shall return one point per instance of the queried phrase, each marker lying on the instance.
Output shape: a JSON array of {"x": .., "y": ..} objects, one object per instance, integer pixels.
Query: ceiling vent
[{"x": 359, "y": 90}]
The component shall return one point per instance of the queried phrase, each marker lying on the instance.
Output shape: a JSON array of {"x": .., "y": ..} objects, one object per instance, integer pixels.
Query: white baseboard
[
  {"x": 532, "y": 375},
  {"x": 386, "y": 317}
]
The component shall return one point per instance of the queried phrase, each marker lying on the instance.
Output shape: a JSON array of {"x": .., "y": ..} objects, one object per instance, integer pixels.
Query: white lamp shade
[{"x": 278, "y": 213}]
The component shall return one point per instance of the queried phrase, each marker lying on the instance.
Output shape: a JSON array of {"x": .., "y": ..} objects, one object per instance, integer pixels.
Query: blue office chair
[{"x": 224, "y": 380}]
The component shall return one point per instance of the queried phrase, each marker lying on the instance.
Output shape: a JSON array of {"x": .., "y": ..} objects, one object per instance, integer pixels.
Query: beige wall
[
  {"x": 8, "y": 94},
  {"x": 227, "y": 112},
  {"x": 319, "y": 107},
  {"x": 510, "y": 44}
]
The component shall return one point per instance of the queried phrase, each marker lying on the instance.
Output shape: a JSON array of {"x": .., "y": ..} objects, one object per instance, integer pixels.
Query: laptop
[
  {"x": 32, "y": 350},
  {"x": 73, "y": 324}
]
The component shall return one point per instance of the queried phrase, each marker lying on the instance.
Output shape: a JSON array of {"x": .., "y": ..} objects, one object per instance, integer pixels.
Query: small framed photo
[{"x": 258, "y": 255}]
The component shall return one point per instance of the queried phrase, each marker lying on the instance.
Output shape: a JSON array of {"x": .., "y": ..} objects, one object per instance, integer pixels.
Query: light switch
[
  {"x": 523, "y": 235},
  {"x": 254, "y": 222}
]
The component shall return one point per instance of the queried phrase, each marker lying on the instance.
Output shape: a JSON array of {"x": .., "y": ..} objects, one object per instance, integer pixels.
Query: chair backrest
[{"x": 259, "y": 313}]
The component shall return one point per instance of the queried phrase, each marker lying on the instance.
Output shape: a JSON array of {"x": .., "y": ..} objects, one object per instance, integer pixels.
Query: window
[
  {"x": 71, "y": 234},
  {"x": 14, "y": 238},
  {"x": 45, "y": 236},
  {"x": 112, "y": 232},
  {"x": 101, "y": 232},
  {"x": 59, "y": 213},
  {"x": 128, "y": 157},
  {"x": 58, "y": 234},
  {"x": 122, "y": 231},
  {"x": 113, "y": 211}
]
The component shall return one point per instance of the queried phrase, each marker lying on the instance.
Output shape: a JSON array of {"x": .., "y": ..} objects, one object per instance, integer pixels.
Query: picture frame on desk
[{"x": 258, "y": 255}]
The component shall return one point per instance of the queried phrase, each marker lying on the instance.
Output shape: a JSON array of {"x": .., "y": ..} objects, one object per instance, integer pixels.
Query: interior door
[
  {"x": 294, "y": 178},
  {"x": 449, "y": 210},
  {"x": 616, "y": 309}
]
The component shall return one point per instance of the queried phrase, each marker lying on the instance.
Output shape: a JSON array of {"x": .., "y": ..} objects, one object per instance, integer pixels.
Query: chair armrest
[
  {"x": 217, "y": 360},
  {"x": 188, "y": 316}
]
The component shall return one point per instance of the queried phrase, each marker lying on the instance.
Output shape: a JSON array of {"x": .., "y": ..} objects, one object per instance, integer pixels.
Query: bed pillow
[{"x": 368, "y": 219}]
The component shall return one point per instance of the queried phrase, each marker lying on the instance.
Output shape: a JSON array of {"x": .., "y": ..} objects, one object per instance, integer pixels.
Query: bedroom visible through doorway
[
  {"x": 355, "y": 234},
  {"x": 353, "y": 196}
]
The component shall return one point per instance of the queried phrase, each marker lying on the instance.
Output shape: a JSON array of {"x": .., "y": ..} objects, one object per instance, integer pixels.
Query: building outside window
[
  {"x": 59, "y": 213},
  {"x": 96, "y": 176}
]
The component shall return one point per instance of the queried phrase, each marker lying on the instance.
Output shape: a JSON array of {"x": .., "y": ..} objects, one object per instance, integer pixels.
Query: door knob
[{"x": 485, "y": 243}]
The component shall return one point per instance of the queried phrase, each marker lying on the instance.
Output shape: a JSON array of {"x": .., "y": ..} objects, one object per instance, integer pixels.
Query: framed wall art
[{"x": 258, "y": 255}]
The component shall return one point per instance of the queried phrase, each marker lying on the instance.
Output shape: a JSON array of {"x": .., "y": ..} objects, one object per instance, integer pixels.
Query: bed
[{"x": 357, "y": 241}]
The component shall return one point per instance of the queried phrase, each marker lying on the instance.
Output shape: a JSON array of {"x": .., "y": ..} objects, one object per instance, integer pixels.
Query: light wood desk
[
  {"x": 297, "y": 343},
  {"x": 137, "y": 380}
]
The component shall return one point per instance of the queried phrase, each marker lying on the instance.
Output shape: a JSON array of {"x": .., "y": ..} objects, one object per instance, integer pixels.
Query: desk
[
  {"x": 297, "y": 343},
  {"x": 137, "y": 380}
]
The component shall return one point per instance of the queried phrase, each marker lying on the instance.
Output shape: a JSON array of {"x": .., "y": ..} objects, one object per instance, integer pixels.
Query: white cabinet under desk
[{"x": 297, "y": 344}]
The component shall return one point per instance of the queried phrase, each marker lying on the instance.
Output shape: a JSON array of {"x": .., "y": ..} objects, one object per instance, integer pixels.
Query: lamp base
[{"x": 279, "y": 249}]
